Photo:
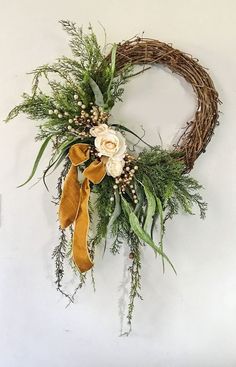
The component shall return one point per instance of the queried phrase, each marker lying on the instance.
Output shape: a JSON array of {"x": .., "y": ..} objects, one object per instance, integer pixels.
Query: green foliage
[
  {"x": 83, "y": 46},
  {"x": 163, "y": 191},
  {"x": 176, "y": 190},
  {"x": 67, "y": 77}
]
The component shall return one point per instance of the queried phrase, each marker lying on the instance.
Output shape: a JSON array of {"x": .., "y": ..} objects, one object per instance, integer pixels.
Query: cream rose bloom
[
  {"x": 114, "y": 166},
  {"x": 110, "y": 143},
  {"x": 97, "y": 130}
]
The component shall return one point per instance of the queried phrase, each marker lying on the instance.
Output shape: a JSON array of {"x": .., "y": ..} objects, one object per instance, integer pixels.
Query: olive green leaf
[{"x": 97, "y": 93}]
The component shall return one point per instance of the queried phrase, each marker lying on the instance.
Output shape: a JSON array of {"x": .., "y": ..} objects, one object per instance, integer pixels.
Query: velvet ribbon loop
[{"x": 74, "y": 202}]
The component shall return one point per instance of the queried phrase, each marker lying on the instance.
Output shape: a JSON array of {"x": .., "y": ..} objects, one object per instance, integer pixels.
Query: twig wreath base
[
  {"x": 135, "y": 194},
  {"x": 198, "y": 132}
]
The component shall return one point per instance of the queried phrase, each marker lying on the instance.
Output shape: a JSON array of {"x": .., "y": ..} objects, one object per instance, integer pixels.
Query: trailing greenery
[{"x": 164, "y": 191}]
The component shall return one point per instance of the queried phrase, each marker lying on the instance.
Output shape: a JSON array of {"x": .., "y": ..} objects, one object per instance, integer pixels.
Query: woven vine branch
[{"x": 197, "y": 132}]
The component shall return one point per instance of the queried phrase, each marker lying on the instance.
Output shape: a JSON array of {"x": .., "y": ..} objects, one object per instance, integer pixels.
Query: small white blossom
[{"x": 114, "y": 167}]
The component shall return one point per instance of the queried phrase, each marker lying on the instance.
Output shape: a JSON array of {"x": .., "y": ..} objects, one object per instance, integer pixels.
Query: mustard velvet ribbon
[{"x": 74, "y": 202}]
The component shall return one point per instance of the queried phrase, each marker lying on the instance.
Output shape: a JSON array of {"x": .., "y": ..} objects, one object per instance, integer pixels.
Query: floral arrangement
[{"x": 135, "y": 194}]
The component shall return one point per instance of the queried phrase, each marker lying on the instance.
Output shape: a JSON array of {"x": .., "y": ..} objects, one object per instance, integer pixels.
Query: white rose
[
  {"x": 110, "y": 143},
  {"x": 97, "y": 130},
  {"x": 115, "y": 166}
]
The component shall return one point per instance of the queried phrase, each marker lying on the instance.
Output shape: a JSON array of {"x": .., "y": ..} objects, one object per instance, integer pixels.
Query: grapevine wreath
[{"x": 134, "y": 193}]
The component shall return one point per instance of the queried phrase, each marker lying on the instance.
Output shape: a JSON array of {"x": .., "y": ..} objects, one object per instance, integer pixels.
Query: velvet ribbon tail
[{"x": 74, "y": 202}]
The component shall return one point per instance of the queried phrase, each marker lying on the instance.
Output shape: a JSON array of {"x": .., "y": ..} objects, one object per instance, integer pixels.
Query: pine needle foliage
[{"x": 67, "y": 77}]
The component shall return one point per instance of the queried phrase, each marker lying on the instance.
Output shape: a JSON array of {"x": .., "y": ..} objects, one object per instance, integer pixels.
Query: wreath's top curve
[{"x": 197, "y": 132}]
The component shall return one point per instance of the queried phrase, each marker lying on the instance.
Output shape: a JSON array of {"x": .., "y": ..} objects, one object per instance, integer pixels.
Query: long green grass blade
[
  {"x": 154, "y": 220},
  {"x": 113, "y": 67},
  {"x": 37, "y": 160},
  {"x": 124, "y": 128},
  {"x": 54, "y": 164},
  {"x": 141, "y": 233},
  {"x": 151, "y": 203},
  {"x": 113, "y": 59},
  {"x": 160, "y": 211}
]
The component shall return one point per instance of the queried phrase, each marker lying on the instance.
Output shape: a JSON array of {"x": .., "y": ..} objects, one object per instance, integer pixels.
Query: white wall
[{"x": 188, "y": 320}]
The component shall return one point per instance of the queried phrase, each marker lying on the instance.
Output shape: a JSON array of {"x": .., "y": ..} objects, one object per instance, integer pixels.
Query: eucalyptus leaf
[{"x": 97, "y": 93}]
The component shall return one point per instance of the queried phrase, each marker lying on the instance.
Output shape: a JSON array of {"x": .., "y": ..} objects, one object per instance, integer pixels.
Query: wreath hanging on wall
[{"x": 134, "y": 193}]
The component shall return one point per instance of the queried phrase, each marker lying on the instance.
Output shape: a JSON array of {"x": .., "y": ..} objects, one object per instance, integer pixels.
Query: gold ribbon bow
[{"x": 74, "y": 202}]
